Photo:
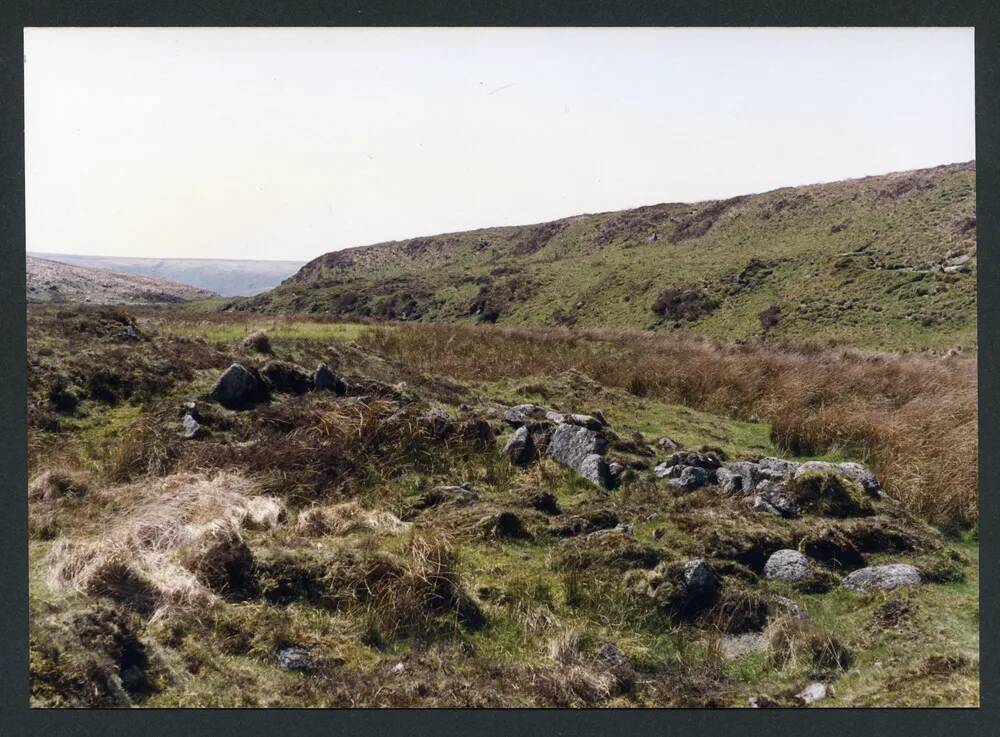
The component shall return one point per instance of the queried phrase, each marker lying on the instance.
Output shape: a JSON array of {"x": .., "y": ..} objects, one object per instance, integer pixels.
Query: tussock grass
[{"x": 176, "y": 546}]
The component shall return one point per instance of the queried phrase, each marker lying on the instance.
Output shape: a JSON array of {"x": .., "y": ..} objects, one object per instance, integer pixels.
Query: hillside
[
  {"x": 881, "y": 262},
  {"x": 52, "y": 281},
  {"x": 227, "y": 277}
]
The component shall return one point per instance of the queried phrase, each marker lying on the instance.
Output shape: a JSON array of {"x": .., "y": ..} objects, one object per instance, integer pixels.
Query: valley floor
[{"x": 376, "y": 539}]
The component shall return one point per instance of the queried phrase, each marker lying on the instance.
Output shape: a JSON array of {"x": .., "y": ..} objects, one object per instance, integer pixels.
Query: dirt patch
[
  {"x": 643, "y": 222},
  {"x": 534, "y": 238},
  {"x": 494, "y": 298},
  {"x": 683, "y": 304},
  {"x": 700, "y": 222},
  {"x": 894, "y": 613}
]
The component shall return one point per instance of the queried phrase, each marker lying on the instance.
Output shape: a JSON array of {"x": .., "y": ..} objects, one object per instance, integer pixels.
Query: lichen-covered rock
[
  {"x": 522, "y": 414},
  {"x": 700, "y": 579},
  {"x": 239, "y": 388},
  {"x": 691, "y": 478},
  {"x": 692, "y": 458},
  {"x": 863, "y": 475},
  {"x": 571, "y": 444},
  {"x": 438, "y": 423},
  {"x": 787, "y": 565},
  {"x": 295, "y": 659},
  {"x": 192, "y": 428},
  {"x": 520, "y": 448},
  {"x": 812, "y": 693},
  {"x": 591, "y": 423},
  {"x": 891, "y": 576},
  {"x": 595, "y": 469},
  {"x": 667, "y": 471},
  {"x": 777, "y": 496},
  {"x": 776, "y": 469},
  {"x": 324, "y": 379}
]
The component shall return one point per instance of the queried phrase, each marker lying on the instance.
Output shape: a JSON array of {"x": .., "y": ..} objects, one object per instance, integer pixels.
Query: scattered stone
[
  {"x": 759, "y": 504},
  {"x": 591, "y": 423},
  {"x": 295, "y": 658},
  {"x": 812, "y": 693},
  {"x": 595, "y": 469},
  {"x": 776, "y": 469},
  {"x": 700, "y": 579},
  {"x": 524, "y": 413},
  {"x": 239, "y": 388},
  {"x": 762, "y": 701},
  {"x": 397, "y": 669},
  {"x": 691, "y": 478},
  {"x": 192, "y": 428},
  {"x": 692, "y": 458},
  {"x": 617, "y": 664},
  {"x": 438, "y": 423},
  {"x": 324, "y": 379},
  {"x": 131, "y": 333},
  {"x": 520, "y": 448},
  {"x": 667, "y": 444},
  {"x": 787, "y": 565},
  {"x": 667, "y": 471},
  {"x": 572, "y": 444},
  {"x": 863, "y": 475},
  {"x": 735, "y": 646},
  {"x": 886, "y": 577},
  {"x": 616, "y": 470},
  {"x": 775, "y": 496},
  {"x": 738, "y": 479}
]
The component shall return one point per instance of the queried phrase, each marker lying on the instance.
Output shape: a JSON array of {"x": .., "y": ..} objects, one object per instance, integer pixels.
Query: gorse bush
[{"x": 913, "y": 418}]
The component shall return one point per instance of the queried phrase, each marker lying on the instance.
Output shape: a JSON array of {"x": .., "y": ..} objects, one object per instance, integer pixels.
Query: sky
[{"x": 289, "y": 143}]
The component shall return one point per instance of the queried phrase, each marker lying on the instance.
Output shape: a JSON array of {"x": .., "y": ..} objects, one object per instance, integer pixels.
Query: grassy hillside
[{"x": 875, "y": 262}]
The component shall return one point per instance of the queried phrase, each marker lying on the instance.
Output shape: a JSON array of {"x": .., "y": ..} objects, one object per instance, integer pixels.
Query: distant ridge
[
  {"x": 225, "y": 277},
  {"x": 54, "y": 281}
]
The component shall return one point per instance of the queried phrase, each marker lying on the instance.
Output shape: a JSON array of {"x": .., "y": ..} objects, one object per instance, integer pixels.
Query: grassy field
[
  {"x": 176, "y": 572},
  {"x": 863, "y": 263}
]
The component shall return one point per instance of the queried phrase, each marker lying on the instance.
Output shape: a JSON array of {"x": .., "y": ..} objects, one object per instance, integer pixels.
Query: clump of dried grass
[
  {"x": 54, "y": 484},
  {"x": 792, "y": 640},
  {"x": 176, "y": 546},
  {"x": 258, "y": 341},
  {"x": 342, "y": 519}
]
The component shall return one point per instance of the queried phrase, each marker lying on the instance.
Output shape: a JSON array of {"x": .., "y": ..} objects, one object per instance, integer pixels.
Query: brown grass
[
  {"x": 176, "y": 543},
  {"x": 913, "y": 418}
]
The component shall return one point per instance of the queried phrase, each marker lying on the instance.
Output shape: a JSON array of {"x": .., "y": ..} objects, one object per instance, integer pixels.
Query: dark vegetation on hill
[
  {"x": 884, "y": 262},
  {"x": 376, "y": 536}
]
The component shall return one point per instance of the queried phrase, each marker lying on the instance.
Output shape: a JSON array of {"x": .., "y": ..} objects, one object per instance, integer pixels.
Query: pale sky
[{"x": 288, "y": 143}]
